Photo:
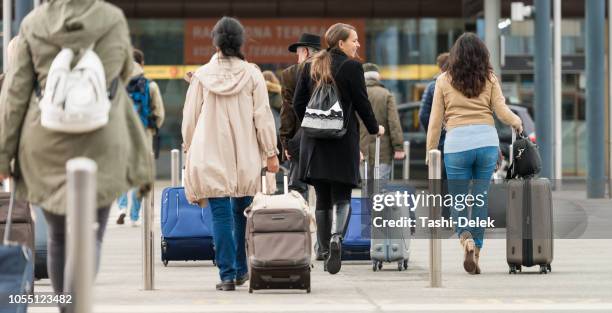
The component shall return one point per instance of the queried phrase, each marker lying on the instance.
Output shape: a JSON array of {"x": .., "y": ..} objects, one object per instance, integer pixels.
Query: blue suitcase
[
  {"x": 356, "y": 243},
  {"x": 187, "y": 232},
  {"x": 16, "y": 269}
]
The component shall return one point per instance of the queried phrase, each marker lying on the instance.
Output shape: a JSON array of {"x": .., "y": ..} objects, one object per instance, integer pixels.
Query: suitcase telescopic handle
[
  {"x": 264, "y": 186},
  {"x": 9, "y": 216},
  {"x": 377, "y": 159}
]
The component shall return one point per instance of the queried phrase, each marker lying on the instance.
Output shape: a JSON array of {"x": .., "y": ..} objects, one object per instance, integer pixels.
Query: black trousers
[{"x": 329, "y": 193}]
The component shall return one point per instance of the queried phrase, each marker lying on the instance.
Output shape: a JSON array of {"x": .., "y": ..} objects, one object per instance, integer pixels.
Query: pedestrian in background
[
  {"x": 427, "y": 101},
  {"x": 466, "y": 97},
  {"x": 120, "y": 148},
  {"x": 304, "y": 48},
  {"x": 385, "y": 110},
  {"x": 332, "y": 165},
  {"x": 274, "y": 90},
  {"x": 228, "y": 132},
  {"x": 149, "y": 105}
]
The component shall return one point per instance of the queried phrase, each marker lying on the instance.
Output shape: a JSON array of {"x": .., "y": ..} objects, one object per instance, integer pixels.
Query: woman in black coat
[{"x": 332, "y": 165}]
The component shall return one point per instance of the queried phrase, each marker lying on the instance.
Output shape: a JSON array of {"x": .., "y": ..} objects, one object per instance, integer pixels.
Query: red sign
[{"x": 266, "y": 41}]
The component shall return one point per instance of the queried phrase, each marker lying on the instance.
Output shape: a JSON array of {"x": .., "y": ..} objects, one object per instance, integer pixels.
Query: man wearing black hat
[{"x": 307, "y": 46}]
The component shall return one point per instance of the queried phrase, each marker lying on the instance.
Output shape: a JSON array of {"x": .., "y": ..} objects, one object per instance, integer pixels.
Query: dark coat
[
  {"x": 425, "y": 112},
  {"x": 336, "y": 160},
  {"x": 288, "y": 120}
]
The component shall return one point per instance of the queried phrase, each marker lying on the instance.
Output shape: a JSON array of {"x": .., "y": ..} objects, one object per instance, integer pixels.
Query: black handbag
[{"x": 526, "y": 160}]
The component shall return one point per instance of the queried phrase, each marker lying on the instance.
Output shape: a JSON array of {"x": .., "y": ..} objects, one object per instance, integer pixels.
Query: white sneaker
[{"x": 135, "y": 223}]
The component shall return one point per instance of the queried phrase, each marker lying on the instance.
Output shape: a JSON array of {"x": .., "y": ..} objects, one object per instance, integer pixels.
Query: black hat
[{"x": 306, "y": 40}]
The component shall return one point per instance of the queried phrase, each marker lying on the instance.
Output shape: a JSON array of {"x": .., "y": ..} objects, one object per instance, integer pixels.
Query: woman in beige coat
[
  {"x": 120, "y": 148},
  {"x": 228, "y": 131}
]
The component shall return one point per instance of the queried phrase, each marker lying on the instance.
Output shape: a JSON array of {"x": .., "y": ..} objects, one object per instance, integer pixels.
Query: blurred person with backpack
[
  {"x": 228, "y": 132},
  {"x": 38, "y": 127},
  {"x": 385, "y": 110},
  {"x": 149, "y": 105},
  {"x": 330, "y": 93}
]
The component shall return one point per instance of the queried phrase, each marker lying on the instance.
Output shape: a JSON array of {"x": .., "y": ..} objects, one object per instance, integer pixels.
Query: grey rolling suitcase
[
  {"x": 390, "y": 245},
  {"x": 278, "y": 240},
  {"x": 529, "y": 218}
]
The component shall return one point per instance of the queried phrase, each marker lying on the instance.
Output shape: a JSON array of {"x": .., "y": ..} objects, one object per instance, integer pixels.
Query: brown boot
[
  {"x": 477, "y": 258},
  {"x": 469, "y": 263}
]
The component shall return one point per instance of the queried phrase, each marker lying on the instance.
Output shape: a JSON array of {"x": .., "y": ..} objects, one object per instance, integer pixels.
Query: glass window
[{"x": 161, "y": 40}]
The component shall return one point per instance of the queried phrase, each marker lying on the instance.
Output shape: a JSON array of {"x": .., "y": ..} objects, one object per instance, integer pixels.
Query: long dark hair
[
  {"x": 320, "y": 70},
  {"x": 468, "y": 65},
  {"x": 228, "y": 36}
]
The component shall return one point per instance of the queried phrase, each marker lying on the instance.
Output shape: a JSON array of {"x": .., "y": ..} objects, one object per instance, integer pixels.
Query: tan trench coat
[{"x": 228, "y": 130}]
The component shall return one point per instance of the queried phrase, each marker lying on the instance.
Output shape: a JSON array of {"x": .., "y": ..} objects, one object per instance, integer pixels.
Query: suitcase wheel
[
  {"x": 376, "y": 265},
  {"x": 308, "y": 290},
  {"x": 543, "y": 269},
  {"x": 549, "y": 268},
  {"x": 513, "y": 269},
  {"x": 164, "y": 246},
  {"x": 405, "y": 264},
  {"x": 250, "y": 290},
  {"x": 165, "y": 263},
  {"x": 400, "y": 266}
]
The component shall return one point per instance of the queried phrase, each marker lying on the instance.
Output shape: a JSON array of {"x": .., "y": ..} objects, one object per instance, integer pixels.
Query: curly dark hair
[
  {"x": 468, "y": 65},
  {"x": 228, "y": 36}
]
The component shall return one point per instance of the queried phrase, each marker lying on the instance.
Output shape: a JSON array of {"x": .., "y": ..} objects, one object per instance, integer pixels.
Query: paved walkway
[{"x": 581, "y": 280}]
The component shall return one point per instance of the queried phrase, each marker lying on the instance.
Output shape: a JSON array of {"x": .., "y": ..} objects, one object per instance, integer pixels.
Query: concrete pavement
[{"x": 581, "y": 280}]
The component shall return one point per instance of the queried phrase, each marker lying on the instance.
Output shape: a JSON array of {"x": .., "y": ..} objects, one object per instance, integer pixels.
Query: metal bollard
[
  {"x": 406, "y": 175},
  {"x": 148, "y": 241},
  {"x": 176, "y": 167},
  {"x": 81, "y": 208},
  {"x": 435, "y": 243},
  {"x": 365, "y": 184}
]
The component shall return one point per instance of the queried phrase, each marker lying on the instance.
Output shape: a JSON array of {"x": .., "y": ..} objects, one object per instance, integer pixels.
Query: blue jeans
[
  {"x": 229, "y": 226},
  {"x": 123, "y": 203},
  {"x": 472, "y": 167}
]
